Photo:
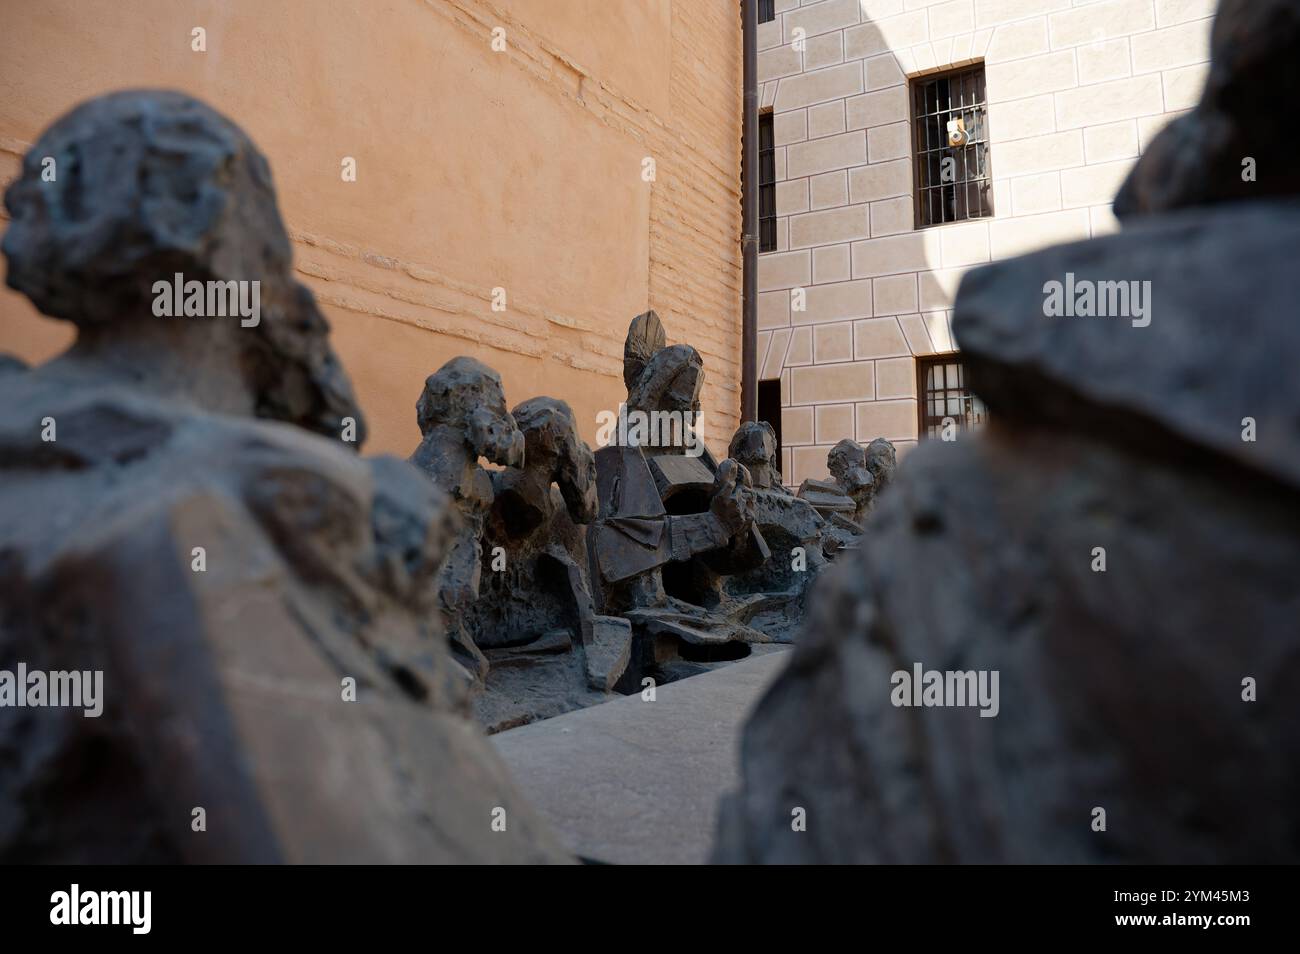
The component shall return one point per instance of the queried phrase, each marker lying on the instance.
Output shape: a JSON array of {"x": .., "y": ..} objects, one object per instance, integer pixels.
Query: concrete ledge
[{"x": 637, "y": 782}]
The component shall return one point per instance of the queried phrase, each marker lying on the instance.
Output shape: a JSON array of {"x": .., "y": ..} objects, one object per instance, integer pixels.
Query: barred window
[
  {"x": 945, "y": 397},
  {"x": 766, "y": 184},
  {"x": 766, "y": 11},
  {"x": 950, "y": 130}
]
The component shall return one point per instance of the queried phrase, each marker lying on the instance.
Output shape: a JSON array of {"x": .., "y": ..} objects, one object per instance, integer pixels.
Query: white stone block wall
[{"x": 1076, "y": 90}]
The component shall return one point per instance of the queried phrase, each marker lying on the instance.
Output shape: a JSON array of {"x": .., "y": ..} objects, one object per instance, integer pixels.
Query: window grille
[
  {"x": 766, "y": 184},
  {"x": 945, "y": 395},
  {"x": 953, "y": 182}
]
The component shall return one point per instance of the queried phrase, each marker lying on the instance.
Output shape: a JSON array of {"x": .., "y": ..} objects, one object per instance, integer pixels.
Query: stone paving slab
[{"x": 637, "y": 782}]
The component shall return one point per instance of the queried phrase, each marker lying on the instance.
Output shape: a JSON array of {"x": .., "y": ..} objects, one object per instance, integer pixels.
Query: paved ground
[{"x": 631, "y": 781}]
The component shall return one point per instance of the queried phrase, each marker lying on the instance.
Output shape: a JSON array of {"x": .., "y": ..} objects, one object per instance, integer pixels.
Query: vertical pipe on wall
[{"x": 749, "y": 218}]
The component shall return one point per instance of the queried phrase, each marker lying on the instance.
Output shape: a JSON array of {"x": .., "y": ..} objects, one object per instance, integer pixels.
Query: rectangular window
[
  {"x": 950, "y": 143},
  {"x": 945, "y": 397},
  {"x": 766, "y": 184},
  {"x": 766, "y": 11},
  {"x": 769, "y": 408}
]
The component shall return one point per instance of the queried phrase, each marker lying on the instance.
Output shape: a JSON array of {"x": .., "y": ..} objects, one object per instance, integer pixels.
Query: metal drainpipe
[{"x": 749, "y": 218}]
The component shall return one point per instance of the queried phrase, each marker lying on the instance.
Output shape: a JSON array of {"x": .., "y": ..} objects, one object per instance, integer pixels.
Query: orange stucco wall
[{"x": 476, "y": 169}]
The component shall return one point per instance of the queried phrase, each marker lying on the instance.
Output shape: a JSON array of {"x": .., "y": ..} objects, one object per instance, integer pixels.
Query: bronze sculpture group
[
  {"x": 577, "y": 575},
  {"x": 295, "y": 640}
]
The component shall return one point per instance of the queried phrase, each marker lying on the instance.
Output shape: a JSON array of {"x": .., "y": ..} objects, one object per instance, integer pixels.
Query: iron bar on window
[{"x": 952, "y": 182}]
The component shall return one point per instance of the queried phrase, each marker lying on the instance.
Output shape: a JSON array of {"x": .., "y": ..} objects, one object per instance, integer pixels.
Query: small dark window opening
[
  {"x": 945, "y": 397},
  {"x": 766, "y": 11},
  {"x": 769, "y": 409},
  {"x": 766, "y": 184},
  {"x": 952, "y": 182}
]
